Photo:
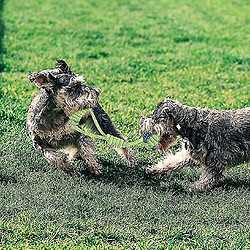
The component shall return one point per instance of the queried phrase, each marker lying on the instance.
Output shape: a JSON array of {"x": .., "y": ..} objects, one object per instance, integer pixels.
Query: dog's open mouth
[{"x": 166, "y": 141}]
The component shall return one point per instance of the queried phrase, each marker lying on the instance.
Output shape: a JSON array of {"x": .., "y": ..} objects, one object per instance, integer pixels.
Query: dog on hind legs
[
  {"x": 61, "y": 93},
  {"x": 214, "y": 138}
]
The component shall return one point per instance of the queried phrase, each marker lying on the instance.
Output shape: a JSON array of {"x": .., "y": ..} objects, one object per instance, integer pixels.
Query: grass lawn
[{"x": 138, "y": 52}]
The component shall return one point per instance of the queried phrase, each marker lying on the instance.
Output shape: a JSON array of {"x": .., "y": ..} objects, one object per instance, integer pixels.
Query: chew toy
[{"x": 149, "y": 139}]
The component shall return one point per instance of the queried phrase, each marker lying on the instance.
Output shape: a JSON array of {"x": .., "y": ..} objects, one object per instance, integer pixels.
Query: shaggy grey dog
[
  {"x": 62, "y": 93},
  {"x": 214, "y": 138}
]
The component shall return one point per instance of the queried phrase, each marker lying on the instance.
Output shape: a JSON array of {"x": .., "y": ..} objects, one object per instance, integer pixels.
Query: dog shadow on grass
[
  {"x": 116, "y": 171},
  {"x": 229, "y": 183},
  {"x": 17, "y": 157}
]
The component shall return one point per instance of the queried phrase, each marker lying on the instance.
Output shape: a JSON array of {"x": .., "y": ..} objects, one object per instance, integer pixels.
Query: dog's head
[
  {"x": 162, "y": 122},
  {"x": 69, "y": 90}
]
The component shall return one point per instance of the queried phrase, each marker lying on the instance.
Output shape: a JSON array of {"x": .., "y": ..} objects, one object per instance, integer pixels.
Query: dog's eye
[
  {"x": 74, "y": 90},
  {"x": 63, "y": 80},
  {"x": 159, "y": 117}
]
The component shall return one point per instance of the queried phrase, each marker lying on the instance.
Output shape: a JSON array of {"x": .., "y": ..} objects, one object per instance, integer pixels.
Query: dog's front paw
[
  {"x": 96, "y": 170},
  {"x": 198, "y": 187},
  {"x": 128, "y": 155},
  {"x": 151, "y": 171},
  {"x": 158, "y": 169},
  {"x": 65, "y": 166}
]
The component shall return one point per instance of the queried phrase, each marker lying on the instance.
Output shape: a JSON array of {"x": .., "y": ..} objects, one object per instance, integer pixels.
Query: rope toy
[{"x": 149, "y": 139}]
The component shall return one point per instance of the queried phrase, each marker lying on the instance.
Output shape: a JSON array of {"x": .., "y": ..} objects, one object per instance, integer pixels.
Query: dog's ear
[
  {"x": 164, "y": 110},
  {"x": 64, "y": 67},
  {"x": 42, "y": 79}
]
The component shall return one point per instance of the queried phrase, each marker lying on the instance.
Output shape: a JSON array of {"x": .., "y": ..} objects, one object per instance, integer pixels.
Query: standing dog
[
  {"x": 214, "y": 138},
  {"x": 62, "y": 93}
]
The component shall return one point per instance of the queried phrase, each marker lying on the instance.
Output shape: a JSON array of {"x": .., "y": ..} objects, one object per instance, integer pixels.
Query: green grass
[{"x": 138, "y": 53}]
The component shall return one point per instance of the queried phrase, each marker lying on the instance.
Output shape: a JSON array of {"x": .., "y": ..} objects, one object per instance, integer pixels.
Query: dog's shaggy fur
[
  {"x": 214, "y": 138},
  {"x": 62, "y": 93}
]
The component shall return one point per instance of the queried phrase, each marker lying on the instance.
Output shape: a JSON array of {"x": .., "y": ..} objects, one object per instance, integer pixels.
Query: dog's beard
[
  {"x": 164, "y": 129},
  {"x": 166, "y": 141}
]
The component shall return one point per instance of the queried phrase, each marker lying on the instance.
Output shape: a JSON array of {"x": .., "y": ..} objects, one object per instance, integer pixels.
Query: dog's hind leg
[{"x": 211, "y": 175}]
